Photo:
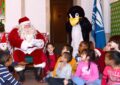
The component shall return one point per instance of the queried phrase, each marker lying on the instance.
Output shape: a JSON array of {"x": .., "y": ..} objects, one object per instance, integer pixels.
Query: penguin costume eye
[
  {"x": 76, "y": 15},
  {"x": 70, "y": 16}
]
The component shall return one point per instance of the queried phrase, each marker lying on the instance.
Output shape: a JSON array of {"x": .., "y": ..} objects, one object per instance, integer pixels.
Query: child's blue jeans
[{"x": 80, "y": 81}]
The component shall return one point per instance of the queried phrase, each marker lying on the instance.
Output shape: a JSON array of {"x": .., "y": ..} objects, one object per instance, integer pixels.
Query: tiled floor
[{"x": 30, "y": 80}]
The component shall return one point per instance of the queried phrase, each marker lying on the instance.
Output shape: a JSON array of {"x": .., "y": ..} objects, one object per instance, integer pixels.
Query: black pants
[{"x": 58, "y": 81}]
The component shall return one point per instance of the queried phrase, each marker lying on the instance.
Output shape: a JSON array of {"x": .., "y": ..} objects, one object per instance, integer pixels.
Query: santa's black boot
[
  {"x": 21, "y": 76},
  {"x": 37, "y": 72}
]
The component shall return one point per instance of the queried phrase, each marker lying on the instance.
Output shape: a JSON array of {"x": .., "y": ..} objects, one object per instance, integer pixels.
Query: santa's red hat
[
  {"x": 24, "y": 20},
  {"x": 3, "y": 39}
]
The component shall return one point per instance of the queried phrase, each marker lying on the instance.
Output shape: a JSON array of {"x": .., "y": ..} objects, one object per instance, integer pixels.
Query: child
[
  {"x": 6, "y": 77},
  {"x": 66, "y": 48},
  {"x": 87, "y": 70},
  {"x": 111, "y": 45},
  {"x": 83, "y": 45},
  {"x": 51, "y": 58},
  {"x": 100, "y": 54},
  {"x": 111, "y": 74},
  {"x": 63, "y": 70}
]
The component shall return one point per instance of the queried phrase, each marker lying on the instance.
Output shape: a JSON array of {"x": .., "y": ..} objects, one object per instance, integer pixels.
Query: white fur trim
[
  {"x": 19, "y": 68},
  {"x": 24, "y": 45},
  {"x": 39, "y": 43},
  {"x": 42, "y": 65},
  {"x": 25, "y": 22}
]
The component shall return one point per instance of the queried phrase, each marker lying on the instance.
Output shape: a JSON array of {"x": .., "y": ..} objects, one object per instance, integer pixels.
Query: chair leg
[
  {"x": 21, "y": 76},
  {"x": 37, "y": 72}
]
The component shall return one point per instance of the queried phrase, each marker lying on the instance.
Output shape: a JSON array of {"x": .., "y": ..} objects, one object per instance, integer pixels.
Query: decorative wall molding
[
  {"x": 22, "y": 8},
  {"x": 112, "y": 1}
]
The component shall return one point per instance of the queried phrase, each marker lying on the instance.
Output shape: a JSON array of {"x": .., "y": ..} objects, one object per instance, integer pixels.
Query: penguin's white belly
[{"x": 76, "y": 38}]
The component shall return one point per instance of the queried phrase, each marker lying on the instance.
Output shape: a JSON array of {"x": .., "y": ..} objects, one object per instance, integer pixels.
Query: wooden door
[{"x": 59, "y": 9}]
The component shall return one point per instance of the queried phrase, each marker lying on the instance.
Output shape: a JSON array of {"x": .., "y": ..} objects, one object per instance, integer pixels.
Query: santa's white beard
[
  {"x": 28, "y": 37},
  {"x": 28, "y": 34}
]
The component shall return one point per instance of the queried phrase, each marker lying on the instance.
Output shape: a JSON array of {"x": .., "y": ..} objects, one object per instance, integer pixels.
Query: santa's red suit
[{"x": 22, "y": 47}]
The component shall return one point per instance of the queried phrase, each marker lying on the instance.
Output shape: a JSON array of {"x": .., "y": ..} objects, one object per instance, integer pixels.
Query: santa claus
[{"x": 26, "y": 40}]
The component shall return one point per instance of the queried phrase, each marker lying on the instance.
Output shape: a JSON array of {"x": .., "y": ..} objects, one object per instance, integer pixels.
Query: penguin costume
[{"x": 78, "y": 27}]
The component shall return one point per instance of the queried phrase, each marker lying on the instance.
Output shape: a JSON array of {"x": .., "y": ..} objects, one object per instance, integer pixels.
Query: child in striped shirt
[{"x": 6, "y": 78}]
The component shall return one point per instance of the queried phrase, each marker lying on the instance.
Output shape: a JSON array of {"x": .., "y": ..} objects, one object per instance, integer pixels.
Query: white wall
[
  {"x": 76, "y": 2},
  {"x": 12, "y": 13},
  {"x": 38, "y": 12},
  {"x": 106, "y": 12},
  {"x": 48, "y": 16},
  {"x": 111, "y": 1},
  {"x": 88, "y": 7}
]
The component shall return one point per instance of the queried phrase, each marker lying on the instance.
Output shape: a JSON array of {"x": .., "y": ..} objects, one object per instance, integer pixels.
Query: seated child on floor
[
  {"x": 111, "y": 45},
  {"x": 87, "y": 71},
  {"x": 63, "y": 71},
  {"x": 6, "y": 78},
  {"x": 83, "y": 45},
  {"x": 111, "y": 74},
  {"x": 51, "y": 58},
  {"x": 66, "y": 48},
  {"x": 100, "y": 54}
]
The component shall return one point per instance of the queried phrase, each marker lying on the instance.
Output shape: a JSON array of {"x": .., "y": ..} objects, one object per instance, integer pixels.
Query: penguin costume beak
[{"x": 74, "y": 21}]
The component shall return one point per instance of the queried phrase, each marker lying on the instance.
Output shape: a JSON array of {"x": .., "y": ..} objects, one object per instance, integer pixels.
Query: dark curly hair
[
  {"x": 114, "y": 55},
  {"x": 4, "y": 58},
  {"x": 91, "y": 54},
  {"x": 68, "y": 56}
]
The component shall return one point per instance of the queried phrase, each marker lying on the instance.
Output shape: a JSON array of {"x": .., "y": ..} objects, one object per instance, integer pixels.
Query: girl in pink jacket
[{"x": 87, "y": 71}]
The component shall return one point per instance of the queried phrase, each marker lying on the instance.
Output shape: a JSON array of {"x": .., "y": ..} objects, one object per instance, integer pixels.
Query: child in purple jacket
[{"x": 87, "y": 71}]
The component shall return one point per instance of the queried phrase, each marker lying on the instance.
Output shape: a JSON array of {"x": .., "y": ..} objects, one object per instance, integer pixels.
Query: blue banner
[{"x": 98, "y": 32}]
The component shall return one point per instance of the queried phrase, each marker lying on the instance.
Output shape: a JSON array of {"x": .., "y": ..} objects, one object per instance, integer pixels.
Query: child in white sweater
[{"x": 63, "y": 71}]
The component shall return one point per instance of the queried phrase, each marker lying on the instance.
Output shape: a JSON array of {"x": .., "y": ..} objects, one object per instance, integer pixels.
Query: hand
[
  {"x": 22, "y": 63},
  {"x": 39, "y": 43},
  {"x": 25, "y": 45},
  {"x": 65, "y": 82},
  {"x": 48, "y": 72}
]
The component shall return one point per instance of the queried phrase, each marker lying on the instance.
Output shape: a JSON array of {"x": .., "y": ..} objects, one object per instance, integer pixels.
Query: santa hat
[
  {"x": 24, "y": 20},
  {"x": 3, "y": 39}
]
